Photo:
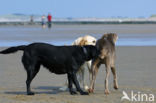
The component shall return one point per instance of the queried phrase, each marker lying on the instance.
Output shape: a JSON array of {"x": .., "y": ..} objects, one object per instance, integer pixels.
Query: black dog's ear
[
  {"x": 92, "y": 52},
  {"x": 95, "y": 52}
]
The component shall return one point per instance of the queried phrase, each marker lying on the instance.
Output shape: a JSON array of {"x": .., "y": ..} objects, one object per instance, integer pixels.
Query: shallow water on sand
[{"x": 65, "y": 35}]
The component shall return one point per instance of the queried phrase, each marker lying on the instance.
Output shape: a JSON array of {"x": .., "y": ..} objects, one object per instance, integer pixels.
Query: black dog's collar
[{"x": 84, "y": 50}]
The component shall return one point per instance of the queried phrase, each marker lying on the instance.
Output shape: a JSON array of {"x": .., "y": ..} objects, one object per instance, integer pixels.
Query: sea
[{"x": 66, "y": 34}]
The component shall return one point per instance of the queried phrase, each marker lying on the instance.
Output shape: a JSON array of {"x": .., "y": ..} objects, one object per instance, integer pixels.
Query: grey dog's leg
[
  {"x": 115, "y": 77},
  {"x": 106, "y": 78},
  {"x": 94, "y": 68}
]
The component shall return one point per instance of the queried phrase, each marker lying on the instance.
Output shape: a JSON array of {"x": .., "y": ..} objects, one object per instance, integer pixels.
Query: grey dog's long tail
[{"x": 13, "y": 49}]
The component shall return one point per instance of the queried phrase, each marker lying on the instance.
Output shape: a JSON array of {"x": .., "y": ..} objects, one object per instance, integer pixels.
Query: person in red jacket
[{"x": 49, "y": 17}]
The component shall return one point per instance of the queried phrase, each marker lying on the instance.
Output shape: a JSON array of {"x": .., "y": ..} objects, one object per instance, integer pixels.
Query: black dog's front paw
[
  {"x": 84, "y": 93},
  {"x": 72, "y": 92},
  {"x": 30, "y": 93}
]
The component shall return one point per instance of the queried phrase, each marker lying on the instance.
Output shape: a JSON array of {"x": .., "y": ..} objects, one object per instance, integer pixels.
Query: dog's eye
[{"x": 94, "y": 41}]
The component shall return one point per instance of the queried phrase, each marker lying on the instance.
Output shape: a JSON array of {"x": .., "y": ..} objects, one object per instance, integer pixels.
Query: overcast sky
[{"x": 80, "y": 8}]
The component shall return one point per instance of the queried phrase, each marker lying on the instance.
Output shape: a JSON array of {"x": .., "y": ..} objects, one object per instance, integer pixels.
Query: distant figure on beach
[
  {"x": 43, "y": 21},
  {"x": 49, "y": 17},
  {"x": 31, "y": 19}
]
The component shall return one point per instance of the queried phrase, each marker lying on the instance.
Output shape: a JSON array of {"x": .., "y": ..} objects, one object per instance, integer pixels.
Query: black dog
[{"x": 57, "y": 59}]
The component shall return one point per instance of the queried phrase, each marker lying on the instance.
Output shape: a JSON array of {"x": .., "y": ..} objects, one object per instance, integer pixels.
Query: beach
[{"x": 135, "y": 64}]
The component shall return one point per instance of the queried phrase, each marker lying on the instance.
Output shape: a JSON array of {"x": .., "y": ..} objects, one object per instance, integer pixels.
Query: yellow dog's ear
[{"x": 83, "y": 42}]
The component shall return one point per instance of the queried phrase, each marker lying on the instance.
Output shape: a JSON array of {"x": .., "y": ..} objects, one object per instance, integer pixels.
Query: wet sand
[
  {"x": 135, "y": 68},
  {"x": 135, "y": 65},
  {"x": 64, "y": 32}
]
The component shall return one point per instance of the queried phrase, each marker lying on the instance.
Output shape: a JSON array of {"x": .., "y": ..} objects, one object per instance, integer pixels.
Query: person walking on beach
[
  {"x": 31, "y": 19},
  {"x": 43, "y": 22},
  {"x": 49, "y": 17}
]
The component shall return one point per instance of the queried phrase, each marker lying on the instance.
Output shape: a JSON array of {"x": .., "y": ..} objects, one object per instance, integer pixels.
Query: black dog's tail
[{"x": 13, "y": 49}]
